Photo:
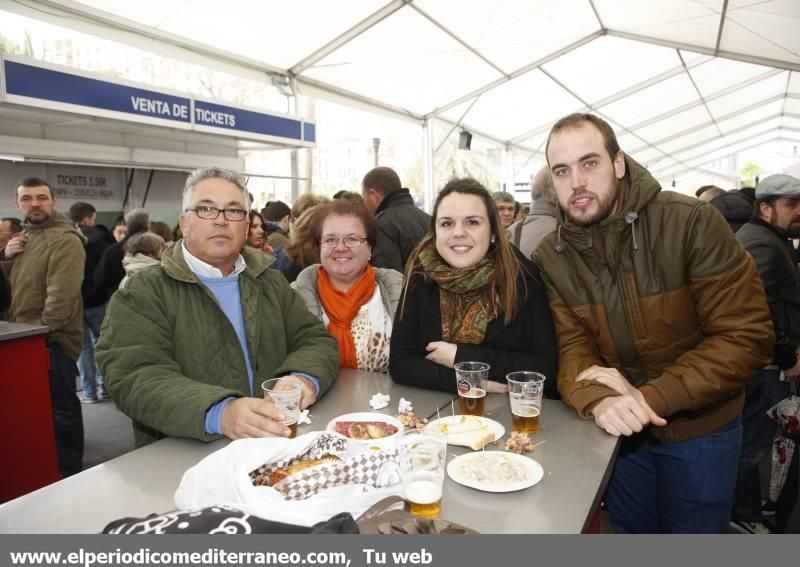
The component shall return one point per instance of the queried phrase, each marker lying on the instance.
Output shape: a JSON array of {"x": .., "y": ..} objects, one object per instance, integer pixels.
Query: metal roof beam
[
  {"x": 722, "y": 16},
  {"x": 86, "y": 19},
  {"x": 687, "y": 163},
  {"x": 722, "y": 136},
  {"x": 355, "y": 31},
  {"x": 521, "y": 71},
  {"x": 668, "y": 74},
  {"x": 338, "y": 94},
  {"x": 463, "y": 43},
  {"x": 699, "y": 127},
  {"x": 716, "y": 95},
  {"x": 743, "y": 57}
]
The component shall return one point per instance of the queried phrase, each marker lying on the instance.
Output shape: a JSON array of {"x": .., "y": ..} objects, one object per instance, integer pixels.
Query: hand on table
[
  {"x": 625, "y": 415},
  {"x": 252, "y": 417},
  {"x": 442, "y": 352}
]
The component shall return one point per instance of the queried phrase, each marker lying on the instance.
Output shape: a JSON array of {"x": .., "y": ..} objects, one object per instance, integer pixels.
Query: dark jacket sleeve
[
  {"x": 411, "y": 331},
  {"x": 109, "y": 271},
  {"x": 5, "y": 293},
  {"x": 768, "y": 261},
  {"x": 533, "y": 348}
]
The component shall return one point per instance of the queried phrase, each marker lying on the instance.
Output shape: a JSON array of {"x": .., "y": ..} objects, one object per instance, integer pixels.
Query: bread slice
[{"x": 474, "y": 439}]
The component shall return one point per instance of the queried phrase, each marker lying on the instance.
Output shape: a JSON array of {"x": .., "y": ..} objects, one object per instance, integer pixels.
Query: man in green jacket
[
  {"x": 661, "y": 320},
  {"x": 45, "y": 267},
  {"x": 186, "y": 345}
]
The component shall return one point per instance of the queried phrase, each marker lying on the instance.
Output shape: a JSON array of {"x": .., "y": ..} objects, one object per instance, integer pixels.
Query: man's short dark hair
[
  {"x": 275, "y": 211},
  {"x": 383, "y": 179},
  {"x": 577, "y": 119},
  {"x": 80, "y": 211},
  {"x": 15, "y": 224},
  {"x": 35, "y": 182}
]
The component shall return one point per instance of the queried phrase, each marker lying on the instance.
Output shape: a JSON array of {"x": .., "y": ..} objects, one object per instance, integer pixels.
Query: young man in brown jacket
[
  {"x": 45, "y": 268},
  {"x": 661, "y": 320}
]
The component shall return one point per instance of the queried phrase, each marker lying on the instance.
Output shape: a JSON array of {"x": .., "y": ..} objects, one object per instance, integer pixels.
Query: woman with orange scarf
[{"x": 354, "y": 300}]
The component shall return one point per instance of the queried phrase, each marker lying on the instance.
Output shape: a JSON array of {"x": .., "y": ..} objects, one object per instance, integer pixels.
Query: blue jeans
[
  {"x": 683, "y": 487},
  {"x": 67, "y": 414},
  {"x": 91, "y": 378},
  {"x": 763, "y": 392}
]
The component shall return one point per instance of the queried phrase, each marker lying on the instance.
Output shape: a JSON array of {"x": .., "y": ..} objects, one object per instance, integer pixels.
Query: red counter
[{"x": 27, "y": 442}]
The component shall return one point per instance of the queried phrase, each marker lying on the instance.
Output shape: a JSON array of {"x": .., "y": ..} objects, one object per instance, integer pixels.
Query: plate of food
[
  {"x": 468, "y": 430},
  {"x": 373, "y": 429},
  {"x": 495, "y": 471}
]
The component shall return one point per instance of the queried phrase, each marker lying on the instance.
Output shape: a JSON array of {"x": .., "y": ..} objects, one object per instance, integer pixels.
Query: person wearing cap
[{"x": 767, "y": 237}]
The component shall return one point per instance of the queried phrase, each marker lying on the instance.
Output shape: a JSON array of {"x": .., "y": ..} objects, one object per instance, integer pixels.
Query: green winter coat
[
  {"x": 168, "y": 352},
  {"x": 46, "y": 281}
]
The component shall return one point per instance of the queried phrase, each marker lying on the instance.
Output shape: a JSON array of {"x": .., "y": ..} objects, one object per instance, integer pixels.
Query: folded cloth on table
[{"x": 223, "y": 520}]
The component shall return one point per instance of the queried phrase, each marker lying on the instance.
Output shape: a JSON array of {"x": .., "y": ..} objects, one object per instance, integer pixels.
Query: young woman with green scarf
[{"x": 470, "y": 295}]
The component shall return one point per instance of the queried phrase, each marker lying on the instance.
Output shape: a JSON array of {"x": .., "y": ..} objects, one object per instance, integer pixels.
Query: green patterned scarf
[{"x": 467, "y": 301}]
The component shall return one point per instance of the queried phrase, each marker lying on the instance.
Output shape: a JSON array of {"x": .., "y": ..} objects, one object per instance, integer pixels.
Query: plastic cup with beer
[
  {"x": 423, "y": 458},
  {"x": 525, "y": 391},
  {"x": 285, "y": 395},
  {"x": 471, "y": 380}
]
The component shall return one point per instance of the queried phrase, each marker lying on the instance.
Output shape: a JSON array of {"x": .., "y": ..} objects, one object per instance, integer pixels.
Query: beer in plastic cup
[{"x": 525, "y": 391}]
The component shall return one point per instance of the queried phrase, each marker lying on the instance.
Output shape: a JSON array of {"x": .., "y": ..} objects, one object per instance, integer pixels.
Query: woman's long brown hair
[{"x": 507, "y": 268}]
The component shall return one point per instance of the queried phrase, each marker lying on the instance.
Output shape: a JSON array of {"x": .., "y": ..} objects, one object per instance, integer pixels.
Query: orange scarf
[{"x": 342, "y": 307}]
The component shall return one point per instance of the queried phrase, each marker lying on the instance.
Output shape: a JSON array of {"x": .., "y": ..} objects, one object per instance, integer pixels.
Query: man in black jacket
[
  {"x": 401, "y": 225},
  {"x": 109, "y": 272},
  {"x": 776, "y": 219},
  {"x": 94, "y": 302}
]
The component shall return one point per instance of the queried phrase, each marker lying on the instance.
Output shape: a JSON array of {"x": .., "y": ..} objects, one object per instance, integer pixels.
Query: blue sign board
[
  {"x": 55, "y": 87},
  {"x": 46, "y": 84},
  {"x": 230, "y": 118},
  {"x": 309, "y": 132}
]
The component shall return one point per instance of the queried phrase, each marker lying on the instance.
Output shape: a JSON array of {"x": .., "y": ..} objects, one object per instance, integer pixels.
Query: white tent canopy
[{"x": 683, "y": 82}]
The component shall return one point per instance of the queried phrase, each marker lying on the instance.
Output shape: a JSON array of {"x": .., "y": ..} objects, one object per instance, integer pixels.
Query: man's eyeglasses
[
  {"x": 212, "y": 213},
  {"x": 351, "y": 241}
]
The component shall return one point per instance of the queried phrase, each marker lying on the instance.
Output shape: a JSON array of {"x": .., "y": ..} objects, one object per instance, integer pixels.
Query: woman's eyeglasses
[{"x": 350, "y": 241}]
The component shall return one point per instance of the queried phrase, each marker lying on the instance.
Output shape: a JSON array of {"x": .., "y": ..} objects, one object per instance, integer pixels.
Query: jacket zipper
[{"x": 632, "y": 305}]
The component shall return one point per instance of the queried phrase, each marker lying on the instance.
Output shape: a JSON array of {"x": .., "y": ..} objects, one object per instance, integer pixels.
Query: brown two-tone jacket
[{"x": 662, "y": 291}]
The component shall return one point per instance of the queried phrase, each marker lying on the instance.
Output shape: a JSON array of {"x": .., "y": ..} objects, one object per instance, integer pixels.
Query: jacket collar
[
  {"x": 637, "y": 189},
  {"x": 777, "y": 230},
  {"x": 58, "y": 222},
  {"x": 399, "y": 197},
  {"x": 174, "y": 263}
]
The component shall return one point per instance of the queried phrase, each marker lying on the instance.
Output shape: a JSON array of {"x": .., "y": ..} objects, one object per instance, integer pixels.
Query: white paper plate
[
  {"x": 383, "y": 442},
  {"x": 533, "y": 471},
  {"x": 494, "y": 426}
]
